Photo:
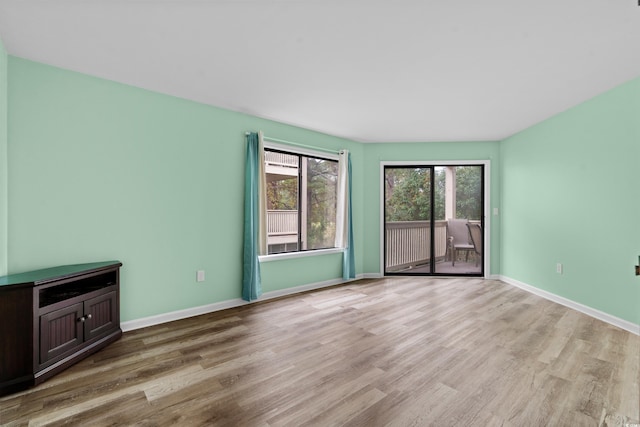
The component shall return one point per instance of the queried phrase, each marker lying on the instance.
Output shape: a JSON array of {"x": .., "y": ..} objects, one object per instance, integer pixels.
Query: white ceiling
[{"x": 368, "y": 70}]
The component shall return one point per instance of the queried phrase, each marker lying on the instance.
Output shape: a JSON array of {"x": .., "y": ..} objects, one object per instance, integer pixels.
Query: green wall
[
  {"x": 428, "y": 151},
  {"x": 101, "y": 170},
  {"x": 3, "y": 162},
  {"x": 570, "y": 196}
]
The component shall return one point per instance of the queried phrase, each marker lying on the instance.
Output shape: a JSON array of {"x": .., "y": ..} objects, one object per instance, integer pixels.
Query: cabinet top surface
[{"x": 55, "y": 273}]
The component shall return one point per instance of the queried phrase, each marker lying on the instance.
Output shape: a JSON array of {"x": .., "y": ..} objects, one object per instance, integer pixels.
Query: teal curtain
[
  {"x": 348, "y": 261},
  {"x": 251, "y": 283}
]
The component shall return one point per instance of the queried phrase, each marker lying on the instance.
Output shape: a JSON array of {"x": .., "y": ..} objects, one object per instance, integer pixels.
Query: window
[{"x": 301, "y": 201}]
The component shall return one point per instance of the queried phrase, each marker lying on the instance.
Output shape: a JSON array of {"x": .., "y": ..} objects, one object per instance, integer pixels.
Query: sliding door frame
[{"x": 486, "y": 241}]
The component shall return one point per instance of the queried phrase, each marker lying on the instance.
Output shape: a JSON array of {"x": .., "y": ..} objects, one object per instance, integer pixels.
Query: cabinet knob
[{"x": 84, "y": 318}]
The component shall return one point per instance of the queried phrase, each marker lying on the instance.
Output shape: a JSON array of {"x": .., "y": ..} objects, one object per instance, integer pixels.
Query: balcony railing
[
  {"x": 280, "y": 159},
  {"x": 282, "y": 227},
  {"x": 408, "y": 243},
  {"x": 281, "y": 222}
]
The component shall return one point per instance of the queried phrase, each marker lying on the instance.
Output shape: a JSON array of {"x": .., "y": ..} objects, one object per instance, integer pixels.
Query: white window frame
[{"x": 309, "y": 153}]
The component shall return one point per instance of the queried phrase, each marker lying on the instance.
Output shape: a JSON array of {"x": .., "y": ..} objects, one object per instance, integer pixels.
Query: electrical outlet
[
  {"x": 559, "y": 268},
  {"x": 200, "y": 276}
]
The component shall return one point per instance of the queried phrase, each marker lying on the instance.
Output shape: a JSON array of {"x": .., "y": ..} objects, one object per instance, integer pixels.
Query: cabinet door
[
  {"x": 101, "y": 315},
  {"x": 60, "y": 331}
]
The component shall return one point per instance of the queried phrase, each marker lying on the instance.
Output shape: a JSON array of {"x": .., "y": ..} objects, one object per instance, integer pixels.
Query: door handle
[{"x": 638, "y": 267}]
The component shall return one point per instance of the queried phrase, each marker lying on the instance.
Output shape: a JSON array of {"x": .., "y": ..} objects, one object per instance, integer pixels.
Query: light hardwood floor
[{"x": 397, "y": 351}]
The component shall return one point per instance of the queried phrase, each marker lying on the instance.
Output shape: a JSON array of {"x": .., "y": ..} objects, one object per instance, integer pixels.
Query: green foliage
[
  {"x": 408, "y": 198},
  {"x": 283, "y": 194},
  {"x": 439, "y": 196},
  {"x": 468, "y": 191},
  {"x": 407, "y": 194},
  {"x": 322, "y": 186}
]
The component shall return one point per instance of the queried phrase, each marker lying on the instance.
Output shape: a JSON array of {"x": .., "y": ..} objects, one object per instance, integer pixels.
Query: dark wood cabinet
[
  {"x": 52, "y": 318},
  {"x": 60, "y": 332}
]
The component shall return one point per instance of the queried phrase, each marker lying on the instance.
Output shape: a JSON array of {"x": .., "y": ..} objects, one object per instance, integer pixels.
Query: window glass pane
[
  {"x": 282, "y": 201},
  {"x": 468, "y": 192},
  {"x": 321, "y": 187},
  {"x": 407, "y": 194},
  {"x": 301, "y": 202}
]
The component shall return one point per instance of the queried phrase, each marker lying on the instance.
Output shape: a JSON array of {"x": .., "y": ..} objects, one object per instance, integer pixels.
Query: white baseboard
[
  {"x": 158, "y": 319},
  {"x": 144, "y": 322},
  {"x": 608, "y": 318},
  {"x": 304, "y": 288},
  {"x": 381, "y": 275}
]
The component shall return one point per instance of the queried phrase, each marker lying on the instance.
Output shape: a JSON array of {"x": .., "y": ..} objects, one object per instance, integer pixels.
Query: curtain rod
[{"x": 297, "y": 144}]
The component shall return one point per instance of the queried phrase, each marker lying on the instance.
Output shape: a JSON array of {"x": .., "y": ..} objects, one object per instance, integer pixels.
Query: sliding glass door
[{"x": 434, "y": 220}]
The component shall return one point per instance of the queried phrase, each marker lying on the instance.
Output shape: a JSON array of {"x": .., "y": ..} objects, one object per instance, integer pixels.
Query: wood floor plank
[{"x": 400, "y": 351}]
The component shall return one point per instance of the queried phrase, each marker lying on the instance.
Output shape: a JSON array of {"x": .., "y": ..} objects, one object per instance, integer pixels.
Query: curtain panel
[
  {"x": 344, "y": 225},
  {"x": 255, "y": 208}
]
